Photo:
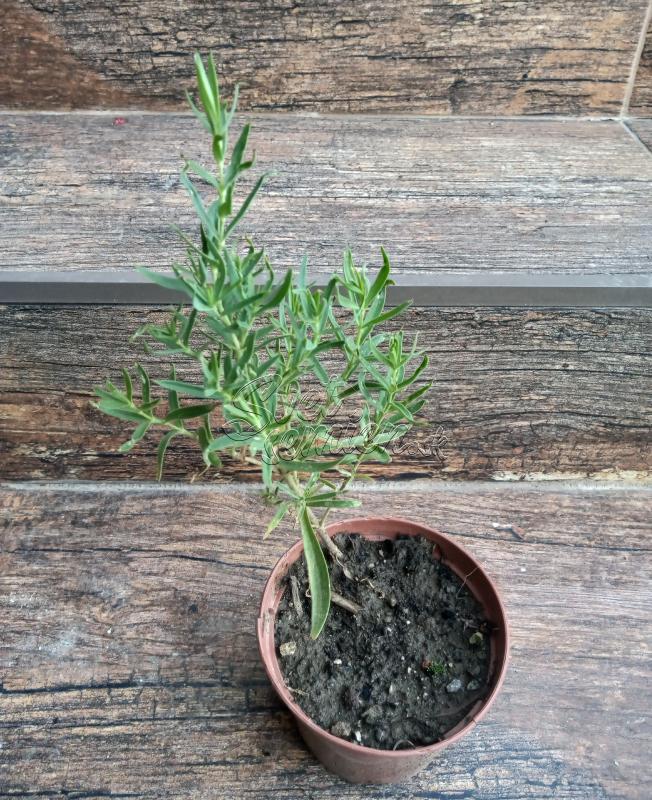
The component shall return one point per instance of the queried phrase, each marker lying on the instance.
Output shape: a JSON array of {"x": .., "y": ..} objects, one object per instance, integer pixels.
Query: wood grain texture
[
  {"x": 517, "y": 394},
  {"x": 77, "y": 192},
  {"x": 641, "y": 100},
  {"x": 643, "y": 129},
  {"x": 129, "y": 663},
  {"x": 411, "y": 55}
]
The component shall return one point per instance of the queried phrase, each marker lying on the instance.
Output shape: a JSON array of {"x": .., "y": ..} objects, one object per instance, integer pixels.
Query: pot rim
[{"x": 280, "y": 687}]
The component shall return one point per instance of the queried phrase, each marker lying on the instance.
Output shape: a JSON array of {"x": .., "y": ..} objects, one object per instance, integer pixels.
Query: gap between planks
[
  {"x": 636, "y": 62},
  {"x": 410, "y": 486}
]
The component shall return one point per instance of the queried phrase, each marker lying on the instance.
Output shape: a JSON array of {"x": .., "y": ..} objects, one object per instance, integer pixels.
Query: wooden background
[
  {"x": 518, "y": 195},
  {"x": 641, "y": 101},
  {"x": 130, "y": 666},
  {"x": 518, "y": 394},
  {"x": 128, "y": 663},
  {"x": 472, "y": 57}
]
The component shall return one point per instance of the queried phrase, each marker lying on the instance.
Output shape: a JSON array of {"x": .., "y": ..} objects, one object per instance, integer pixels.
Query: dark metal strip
[{"x": 424, "y": 289}]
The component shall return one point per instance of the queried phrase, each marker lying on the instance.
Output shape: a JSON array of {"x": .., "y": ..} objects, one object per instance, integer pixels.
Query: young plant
[{"x": 256, "y": 341}]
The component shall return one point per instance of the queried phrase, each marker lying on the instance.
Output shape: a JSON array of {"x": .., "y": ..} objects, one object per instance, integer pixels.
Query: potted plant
[{"x": 385, "y": 639}]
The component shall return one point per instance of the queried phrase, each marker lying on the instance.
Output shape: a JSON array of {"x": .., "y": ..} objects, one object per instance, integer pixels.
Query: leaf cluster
[{"x": 255, "y": 338}]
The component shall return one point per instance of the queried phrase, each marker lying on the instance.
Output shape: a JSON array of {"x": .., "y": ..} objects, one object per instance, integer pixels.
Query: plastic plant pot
[{"x": 354, "y": 762}]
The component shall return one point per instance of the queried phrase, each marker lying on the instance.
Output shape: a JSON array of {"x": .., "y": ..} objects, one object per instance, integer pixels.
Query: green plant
[
  {"x": 255, "y": 341},
  {"x": 434, "y": 668}
]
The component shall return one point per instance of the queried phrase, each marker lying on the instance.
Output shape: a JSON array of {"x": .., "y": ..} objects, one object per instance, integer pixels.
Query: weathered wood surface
[
  {"x": 77, "y": 192},
  {"x": 500, "y": 57},
  {"x": 641, "y": 99},
  {"x": 129, "y": 663},
  {"x": 517, "y": 394},
  {"x": 643, "y": 129}
]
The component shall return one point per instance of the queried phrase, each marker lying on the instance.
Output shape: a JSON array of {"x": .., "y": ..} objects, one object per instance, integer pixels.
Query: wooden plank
[
  {"x": 129, "y": 664},
  {"x": 521, "y": 196},
  {"x": 497, "y": 58},
  {"x": 641, "y": 100},
  {"x": 642, "y": 128},
  {"x": 517, "y": 394}
]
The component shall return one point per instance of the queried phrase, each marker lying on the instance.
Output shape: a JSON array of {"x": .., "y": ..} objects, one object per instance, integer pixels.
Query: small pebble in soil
[
  {"x": 403, "y": 671},
  {"x": 288, "y": 649},
  {"x": 380, "y": 734},
  {"x": 341, "y": 729},
  {"x": 373, "y": 714}
]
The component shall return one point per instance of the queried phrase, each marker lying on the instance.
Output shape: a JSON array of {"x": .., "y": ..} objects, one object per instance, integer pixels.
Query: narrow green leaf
[
  {"x": 205, "y": 437},
  {"x": 403, "y": 410},
  {"x": 320, "y": 372},
  {"x": 205, "y": 90},
  {"x": 390, "y": 314},
  {"x": 188, "y": 326},
  {"x": 189, "y": 412},
  {"x": 227, "y": 204},
  {"x": 129, "y": 389},
  {"x": 330, "y": 500},
  {"x": 344, "y": 393},
  {"x": 145, "y": 384},
  {"x": 276, "y": 519},
  {"x": 318, "y": 578},
  {"x": 160, "y": 453},
  {"x": 348, "y": 268},
  {"x": 185, "y": 388},
  {"x": 329, "y": 344},
  {"x": 246, "y": 302},
  {"x": 247, "y": 202},
  {"x": 136, "y": 436},
  {"x": 266, "y": 468},
  {"x": 247, "y": 351},
  {"x": 173, "y": 398},
  {"x": 278, "y": 294},
  {"x": 417, "y": 393},
  {"x": 415, "y": 407},
  {"x": 166, "y": 281},
  {"x": 233, "y": 440},
  {"x": 234, "y": 105},
  {"x": 212, "y": 79},
  {"x": 112, "y": 397},
  {"x": 237, "y": 154},
  {"x": 378, "y": 454},
  {"x": 121, "y": 412},
  {"x": 198, "y": 113},
  {"x": 198, "y": 203},
  {"x": 381, "y": 278},
  {"x": 409, "y": 381},
  {"x": 203, "y": 173}
]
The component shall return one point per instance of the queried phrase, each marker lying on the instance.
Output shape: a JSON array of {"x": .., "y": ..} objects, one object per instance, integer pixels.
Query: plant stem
[
  {"x": 347, "y": 605},
  {"x": 326, "y": 540}
]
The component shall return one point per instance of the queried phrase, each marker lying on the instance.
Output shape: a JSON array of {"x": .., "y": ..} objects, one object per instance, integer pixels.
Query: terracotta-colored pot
[{"x": 354, "y": 762}]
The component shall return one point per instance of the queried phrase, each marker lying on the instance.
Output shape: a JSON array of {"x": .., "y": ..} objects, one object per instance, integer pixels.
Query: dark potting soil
[{"x": 404, "y": 670}]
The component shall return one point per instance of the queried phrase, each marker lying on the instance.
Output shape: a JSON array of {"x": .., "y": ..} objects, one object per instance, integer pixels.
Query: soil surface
[{"x": 404, "y": 670}]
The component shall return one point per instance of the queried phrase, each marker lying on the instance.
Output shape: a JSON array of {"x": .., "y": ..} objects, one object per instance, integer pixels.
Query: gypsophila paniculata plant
[{"x": 254, "y": 340}]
